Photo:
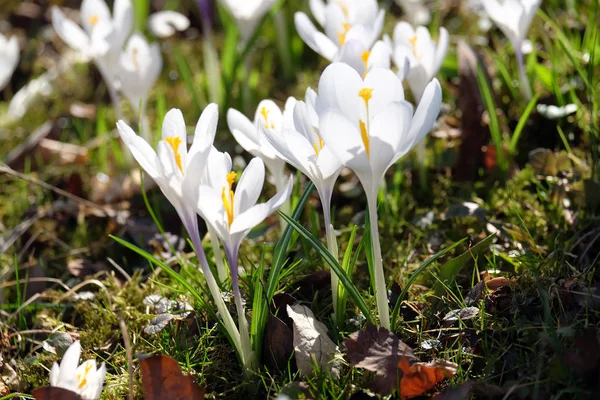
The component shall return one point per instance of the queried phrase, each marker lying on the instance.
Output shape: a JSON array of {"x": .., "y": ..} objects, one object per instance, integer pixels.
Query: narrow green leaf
[
  {"x": 335, "y": 266},
  {"x": 514, "y": 141},
  {"x": 414, "y": 277}
]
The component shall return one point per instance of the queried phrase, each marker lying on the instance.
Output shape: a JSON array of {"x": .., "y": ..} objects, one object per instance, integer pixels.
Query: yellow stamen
[
  {"x": 366, "y": 94},
  {"x": 413, "y": 42},
  {"x": 82, "y": 378},
  {"x": 365, "y": 137},
  {"x": 227, "y": 196},
  {"x": 264, "y": 113},
  {"x": 318, "y": 146},
  {"x": 342, "y": 35},
  {"x": 365, "y": 57},
  {"x": 93, "y": 20},
  {"x": 174, "y": 142}
]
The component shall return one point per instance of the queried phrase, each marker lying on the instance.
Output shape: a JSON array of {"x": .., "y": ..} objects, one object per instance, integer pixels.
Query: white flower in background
[
  {"x": 368, "y": 126},
  {"x": 248, "y": 14},
  {"x": 165, "y": 23},
  {"x": 9, "y": 59},
  {"x": 424, "y": 56},
  {"x": 554, "y": 112},
  {"x": 356, "y": 54},
  {"x": 342, "y": 20},
  {"x": 248, "y": 135},
  {"x": 416, "y": 11},
  {"x": 102, "y": 35},
  {"x": 232, "y": 214},
  {"x": 101, "y": 38},
  {"x": 514, "y": 17},
  {"x": 139, "y": 68},
  {"x": 86, "y": 380}
]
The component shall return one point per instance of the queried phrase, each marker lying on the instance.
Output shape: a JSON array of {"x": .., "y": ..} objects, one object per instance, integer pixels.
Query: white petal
[
  {"x": 69, "y": 31},
  {"x": 122, "y": 20},
  {"x": 206, "y": 128},
  {"x": 339, "y": 86},
  {"x": 249, "y": 186},
  {"x": 54, "y": 373},
  {"x": 343, "y": 139},
  {"x": 165, "y": 23},
  {"x": 141, "y": 150},
  {"x": 441, "y": 50},
  {"x": 425, "y": 115},
  {"x": 243, "y": 131},
  {"x": 314, "y": 39},
  {"x": 256, "y": 214},
  {"x": 386, "y": 87},
  {"x": 69, "y": 362},
  {"x": 317, "y": 8},
  {"x": 174, "y": 126},
  {"x": 92, "y": 13},
  {"x": 403, "y": 32}
]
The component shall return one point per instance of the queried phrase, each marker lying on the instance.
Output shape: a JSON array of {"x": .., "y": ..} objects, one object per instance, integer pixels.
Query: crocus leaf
[{"x": 162, "y": 379}]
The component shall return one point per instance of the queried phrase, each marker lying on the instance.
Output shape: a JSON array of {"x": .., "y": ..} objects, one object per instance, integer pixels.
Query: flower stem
[
  {"x": 248, "y": 355},
  {"x": 525, "y": 88},
  {"x": 227, "y": 319},
  {"x": 333, "y": 250},
  {"x": 380, "y": 286},
  {"x": 280, "y": 182},
  {"x": 214, "y": 241}
]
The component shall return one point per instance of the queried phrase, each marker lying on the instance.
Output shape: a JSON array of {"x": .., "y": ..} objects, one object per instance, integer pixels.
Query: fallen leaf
[
  {"x": 461, "y": 314},
  {"x": 378, "y": 350},
  {"x": 162, "y": 379},
  {"x": 394, "y": 363},
  {"x": 60, "y": 153},
  {"x": 54, "y": 393},
  {"x": 278, "y": 344},
  {"x": 158, "y": 324},
  {"x": 417, "y": 378},
  {"x": 57, "y": 343},
  {"x": 311, "y": 342},
  {"x": 475, "y": 293},
  {"x": 497, "y": 282}
]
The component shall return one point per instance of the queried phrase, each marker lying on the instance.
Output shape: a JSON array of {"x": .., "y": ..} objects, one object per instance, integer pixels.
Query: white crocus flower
[
  {"x": 165, "y": 23},
  {"x": 86, "y": 380},
  {"x": 248, "y": 14},
  {"x": 178, "y": 173},
  {"x": 416, "y": 11},
  {"x": 139, "y": 68},
  {"x": 368, "y": 126},
  {"x": 248, "y": 135},
  {"x": 232, "y": 214},
  {"x": 514, "y": 17},
  {"x": 341, "y": 20},
  {"x": 101, "y": 38},
  {"x": 9, "y": 58},
  {"x": 424, "y": 56},
  {"x": 301, "y": 146}
]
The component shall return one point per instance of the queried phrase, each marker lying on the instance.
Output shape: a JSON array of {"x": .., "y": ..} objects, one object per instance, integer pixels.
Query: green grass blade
[
  {"x": 335, "y": 266},
  {"x": 348, "y": 263},
  {"x": 281, "y": 249},
  {"x": 514, "y": 141},
  {"x": 414, "y": 277}
]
